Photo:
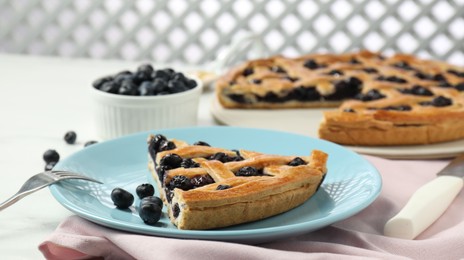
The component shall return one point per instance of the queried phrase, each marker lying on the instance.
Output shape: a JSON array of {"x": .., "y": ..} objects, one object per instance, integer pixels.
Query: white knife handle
[{"x": 425, "y": 206}]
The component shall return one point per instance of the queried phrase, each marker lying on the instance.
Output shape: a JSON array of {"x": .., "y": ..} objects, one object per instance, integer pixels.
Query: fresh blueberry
[
  {"x": 190, "y": 83},
  {"x": 152, "y": 199},
  {"x": 176, "y": 86},
  {"x": 122, "y": 198},
  {"x": 150, "y": 213},
  {"x": 161, "y": 74},
  {"x": 51, "y": 156},
  {"x": 128, "y": 88},
  {"x": 98, "y": 83},
  {"x": 145, "y": 190},
  {"x": 160, "y": 85},
  {"x": 70, "y": 137},
  {"x": 147, "y": 88},
  {"x": 110, "y": 87},
  {"x": 147, "y": 68},
  {"x": 123, "y": 76}
]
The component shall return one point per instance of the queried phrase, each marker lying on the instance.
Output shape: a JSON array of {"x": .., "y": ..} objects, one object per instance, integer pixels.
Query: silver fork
[{"x": 40, "y": 181}]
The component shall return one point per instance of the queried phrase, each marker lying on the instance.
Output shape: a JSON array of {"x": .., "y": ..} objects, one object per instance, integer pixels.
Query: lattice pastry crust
[
  {"x": 399, "y": 100},
  {"x": 212, "y": 187}
]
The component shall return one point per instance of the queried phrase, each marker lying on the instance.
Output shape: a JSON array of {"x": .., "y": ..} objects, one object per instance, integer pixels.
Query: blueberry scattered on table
[
  {"x": 145, "y": 190},
  {"x": 122, "y": 198},
  {"x": 145, "y": 81},
  {"x": 51, "y": 156},
  {"x": 70, "y": 137}
]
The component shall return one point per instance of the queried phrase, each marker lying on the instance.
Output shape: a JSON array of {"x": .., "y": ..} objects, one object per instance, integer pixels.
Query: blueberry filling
[
  {"x": 171, "y": 161},
  {"x": 278, "y": 69},
  {"x": 460, "y": 86},
  {"x": 336, "y": 73},
  {"x": 223, "y": 187},
  {"x": 304, "y": 94},
  {"x": 354, "y": 61},
  {"x": 169, "y": 194},
  {"x": 291, "y": 79},
  {"x": 403, "y": 65},
  {"x": 201, "y": 143},
  {"x": 394, "y": 79},
  {"x": 175, "y": 210},
  {"x": 416, "y": 90},
  {"x": 256, "y": 81},
  {"x": 154, "y": 144},
  {"x": 222, "y": 157},
  {"x": 248, "y": 171},
  {"x": 311, "y": 64},
  {"x": 166, "y": 146},
  {"x": 345, "y": 89},
  {"x": 349, "y": 110},
  {"x": 395, "y": 108},
  {"x": 398, "y": 108},
  {"x": 372, "y": 94},
  {"x": 456, "y": 73},
  {"x": 439, "y": 101},
  {"x": 201, "y": 180},
  {"x": 181, "y": 182},
  {"x": 189, "y": 163},
  {"x": 370, "y": 70},
  {"x": 248, "y": 71},
  {"x": 161, "y": 171},
  {"x": 445, "y": 84},
  {"x": 239, "y": 98},
  {"x": 296, "y": 162}
]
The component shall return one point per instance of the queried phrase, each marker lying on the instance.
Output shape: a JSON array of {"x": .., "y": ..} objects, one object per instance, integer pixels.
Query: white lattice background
[{"x": 194, "y": 32}]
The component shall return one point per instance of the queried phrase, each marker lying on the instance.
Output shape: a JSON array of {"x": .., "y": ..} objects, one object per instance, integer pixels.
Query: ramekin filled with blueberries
[{"x": 145, "y": 99}]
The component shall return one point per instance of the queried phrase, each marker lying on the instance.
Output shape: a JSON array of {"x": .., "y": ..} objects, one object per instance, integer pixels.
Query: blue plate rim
[{"x": 211, "y": 234}]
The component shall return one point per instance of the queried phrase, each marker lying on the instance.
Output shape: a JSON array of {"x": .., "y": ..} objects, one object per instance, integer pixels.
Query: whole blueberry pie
[
  {"x": 207, "y": 187},
  {"x": 397, "y": 100}
]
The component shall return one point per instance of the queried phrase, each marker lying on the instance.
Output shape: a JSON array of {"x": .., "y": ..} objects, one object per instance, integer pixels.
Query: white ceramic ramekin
[{"x": 119, "y": 115}]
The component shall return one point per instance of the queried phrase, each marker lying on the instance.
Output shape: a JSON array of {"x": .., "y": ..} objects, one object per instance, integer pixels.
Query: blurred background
[{"x": 194, "y": 32}]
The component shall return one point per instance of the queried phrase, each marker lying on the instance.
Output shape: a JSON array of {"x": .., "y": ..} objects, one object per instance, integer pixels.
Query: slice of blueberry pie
[
  {"x": 397, "y": 100},
  {"x": 207, "y": 187}
]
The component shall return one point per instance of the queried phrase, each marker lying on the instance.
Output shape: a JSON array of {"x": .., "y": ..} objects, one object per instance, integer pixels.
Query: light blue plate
[{"x": 351, "y": 183}]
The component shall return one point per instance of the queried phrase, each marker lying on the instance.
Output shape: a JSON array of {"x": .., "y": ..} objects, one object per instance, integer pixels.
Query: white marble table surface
[{"x": 41, "y": 98}]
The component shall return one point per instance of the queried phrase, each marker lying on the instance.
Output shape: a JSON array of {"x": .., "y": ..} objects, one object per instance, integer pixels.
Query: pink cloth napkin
[{"x": 358, "y": 237}]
